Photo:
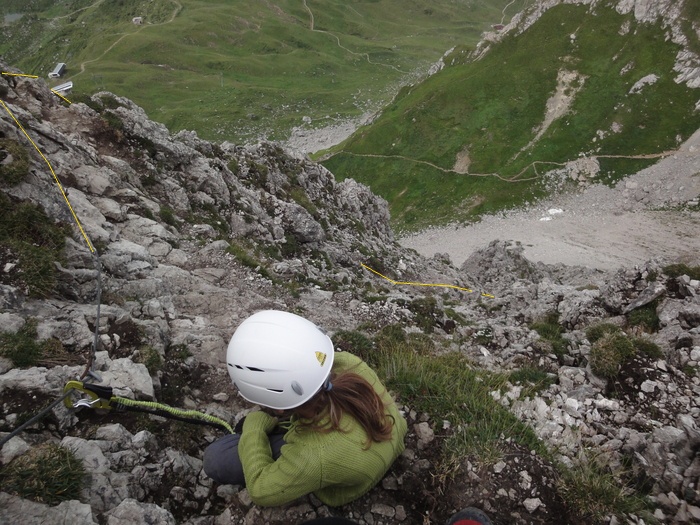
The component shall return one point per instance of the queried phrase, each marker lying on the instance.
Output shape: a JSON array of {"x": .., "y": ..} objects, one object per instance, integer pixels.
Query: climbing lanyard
[{"x": 102, "y": 397}]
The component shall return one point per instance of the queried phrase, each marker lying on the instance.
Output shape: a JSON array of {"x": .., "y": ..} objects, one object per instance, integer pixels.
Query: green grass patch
[
  {"x": 648, "y": 348},
  {"x": 236, "y": 70},
  {"x": 534, "y": 379},
  {"x": 166, "y": 213},
  {"x": 595, "y": 492},
  {"x": 22, "y": 347},
  {"x": 552, "y": 332},
  {"x": 447, "y": 387},
  {"x": 645, "y": 317},
  {"x": 597, "y": 331},
  {"x": 14, "y": 162},
  {"x": 677, "y": 270},
  {"x": 28, "y": 236},
  {"x": 47, "y": 474}
]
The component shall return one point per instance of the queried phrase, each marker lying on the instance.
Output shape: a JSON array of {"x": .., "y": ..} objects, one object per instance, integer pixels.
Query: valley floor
[{"x": 653, "y": 213}]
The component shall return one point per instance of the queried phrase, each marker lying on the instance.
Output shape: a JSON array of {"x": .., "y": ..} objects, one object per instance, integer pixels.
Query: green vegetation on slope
[
  {"x": 233, "y": 70},
  {"x": 489, "y": 111}
]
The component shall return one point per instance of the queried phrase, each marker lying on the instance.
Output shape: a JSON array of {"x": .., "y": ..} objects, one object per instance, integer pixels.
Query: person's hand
[{"x": 259, "y": 421}]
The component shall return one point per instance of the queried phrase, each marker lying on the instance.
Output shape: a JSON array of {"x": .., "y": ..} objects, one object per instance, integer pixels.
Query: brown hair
[{"x": 351, "y": 394}]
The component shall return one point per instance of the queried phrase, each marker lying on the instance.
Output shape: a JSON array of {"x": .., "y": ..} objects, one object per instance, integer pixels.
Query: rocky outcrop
[{"x": 192, "y": 237}]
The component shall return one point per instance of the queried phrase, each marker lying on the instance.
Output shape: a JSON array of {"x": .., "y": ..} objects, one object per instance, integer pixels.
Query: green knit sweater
[{"x": 334, "y": 465}]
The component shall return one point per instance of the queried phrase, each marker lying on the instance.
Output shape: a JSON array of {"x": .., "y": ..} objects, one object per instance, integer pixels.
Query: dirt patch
[
  {"x": 462, "y": 162},
  {"x": 504, "y": 489}
]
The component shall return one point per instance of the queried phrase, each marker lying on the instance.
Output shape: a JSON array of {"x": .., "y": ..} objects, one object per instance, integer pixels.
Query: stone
[
  {"x": 13, "y": 448},
  {"x": 131, "y": 511},
  {"x": 131, "y": 377},
  {"x": 14, "y": 509},
  {"x": 383, "y": 510},
  {"x": 498, "y": 467},
  {"x": 400, "y": 513},
  {"x": 648, "y": 386},
  {"x": 424, "y": 433},
  {"x": 114, "y": 433},
  {"x": 532, "y": 504}
]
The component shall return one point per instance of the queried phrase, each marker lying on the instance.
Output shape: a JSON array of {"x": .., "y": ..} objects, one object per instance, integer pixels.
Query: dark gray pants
[{"x": 221, "y": 461}]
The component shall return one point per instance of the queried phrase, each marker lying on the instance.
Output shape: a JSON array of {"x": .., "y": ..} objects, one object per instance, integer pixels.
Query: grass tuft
[
  {"x": 595, "y": 332},
  {"x": 594, "y": 492},
  {"x": 47, "y": 474},
  {"x": 645, "y": 317},
  {"x": 609, "y": 353}
]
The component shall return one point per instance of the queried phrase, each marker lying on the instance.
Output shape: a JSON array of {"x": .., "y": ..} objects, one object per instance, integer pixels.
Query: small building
[
  {"x": 64, "y": 88},
  {"x": 58, "y": 70},
  {"x": 498, "y": 27},
  {"x": 137, "y": 20}
]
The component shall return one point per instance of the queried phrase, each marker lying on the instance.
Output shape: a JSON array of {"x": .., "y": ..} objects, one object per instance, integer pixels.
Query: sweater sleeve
[{"x": 275, "y": 482}]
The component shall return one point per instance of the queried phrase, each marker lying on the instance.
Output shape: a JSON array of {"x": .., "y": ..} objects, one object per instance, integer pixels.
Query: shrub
[
  {"x": 608, "y": 354},
  {"x": 168, "y": 216},
  {"x": 21, "y": 347},
  {"x": 150, "y": 357},
  {"x": 426, "y": 311},
  {"x": 47, "y": 474},
  {"x": 645, "y": 317},
  {"x": 595, "y": 332},
  {"x": 113, "y": 120},
  {"x": 647, "y": 347}
]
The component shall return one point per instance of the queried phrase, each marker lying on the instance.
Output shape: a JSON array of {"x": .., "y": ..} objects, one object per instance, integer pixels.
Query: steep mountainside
[
  {"x": 518, "y": 400},
  {"x": 567, "y": 93}
]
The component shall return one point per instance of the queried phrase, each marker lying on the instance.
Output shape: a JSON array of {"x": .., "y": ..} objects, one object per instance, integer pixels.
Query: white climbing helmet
[{"x": 278, "y": 359}]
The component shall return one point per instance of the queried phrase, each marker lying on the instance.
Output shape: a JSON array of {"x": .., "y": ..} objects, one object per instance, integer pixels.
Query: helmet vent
[
  {"x": 275, "y": 390},
  {"x": 237, "y": 366},
  {"x": 297, "y": 388},
  {"x": 253, "y": 369}
]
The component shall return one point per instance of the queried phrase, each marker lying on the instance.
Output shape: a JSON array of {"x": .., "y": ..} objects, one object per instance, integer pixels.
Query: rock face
[{"x": 193, "y": 237}]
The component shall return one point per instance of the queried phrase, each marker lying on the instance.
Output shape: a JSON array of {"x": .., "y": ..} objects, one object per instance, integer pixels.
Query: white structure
[
  {"x": 58, "y": 70},
  {"x": 64, "y": 88},
  {"x": 137, "y": 20}
]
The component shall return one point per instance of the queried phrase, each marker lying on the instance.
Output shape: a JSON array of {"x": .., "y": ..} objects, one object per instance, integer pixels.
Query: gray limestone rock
[
  {"x": 131, "y": 511},
  {"x": 14, "y": 509}
]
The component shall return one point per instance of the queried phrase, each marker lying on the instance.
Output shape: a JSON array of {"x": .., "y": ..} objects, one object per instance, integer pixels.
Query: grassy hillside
[
  {"x": 490, "y": 110},
  {"x": 233, "y": 70}
]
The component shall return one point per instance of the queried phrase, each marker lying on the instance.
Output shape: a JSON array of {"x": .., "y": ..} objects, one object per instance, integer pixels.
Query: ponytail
[{"x": 349, "y": 393}]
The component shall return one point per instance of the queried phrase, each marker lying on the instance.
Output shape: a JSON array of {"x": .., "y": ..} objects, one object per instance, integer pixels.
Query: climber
[{"x": 343, "y": 430}]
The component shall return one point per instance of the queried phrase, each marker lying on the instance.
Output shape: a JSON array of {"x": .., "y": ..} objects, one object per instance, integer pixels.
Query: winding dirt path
[
  {"x": 365, "y": 55},
  {"x": 178, "y": 8}
]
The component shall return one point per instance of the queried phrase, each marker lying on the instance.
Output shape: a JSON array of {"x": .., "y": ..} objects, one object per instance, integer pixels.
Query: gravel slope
[{"x": 598, "y": 227}]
